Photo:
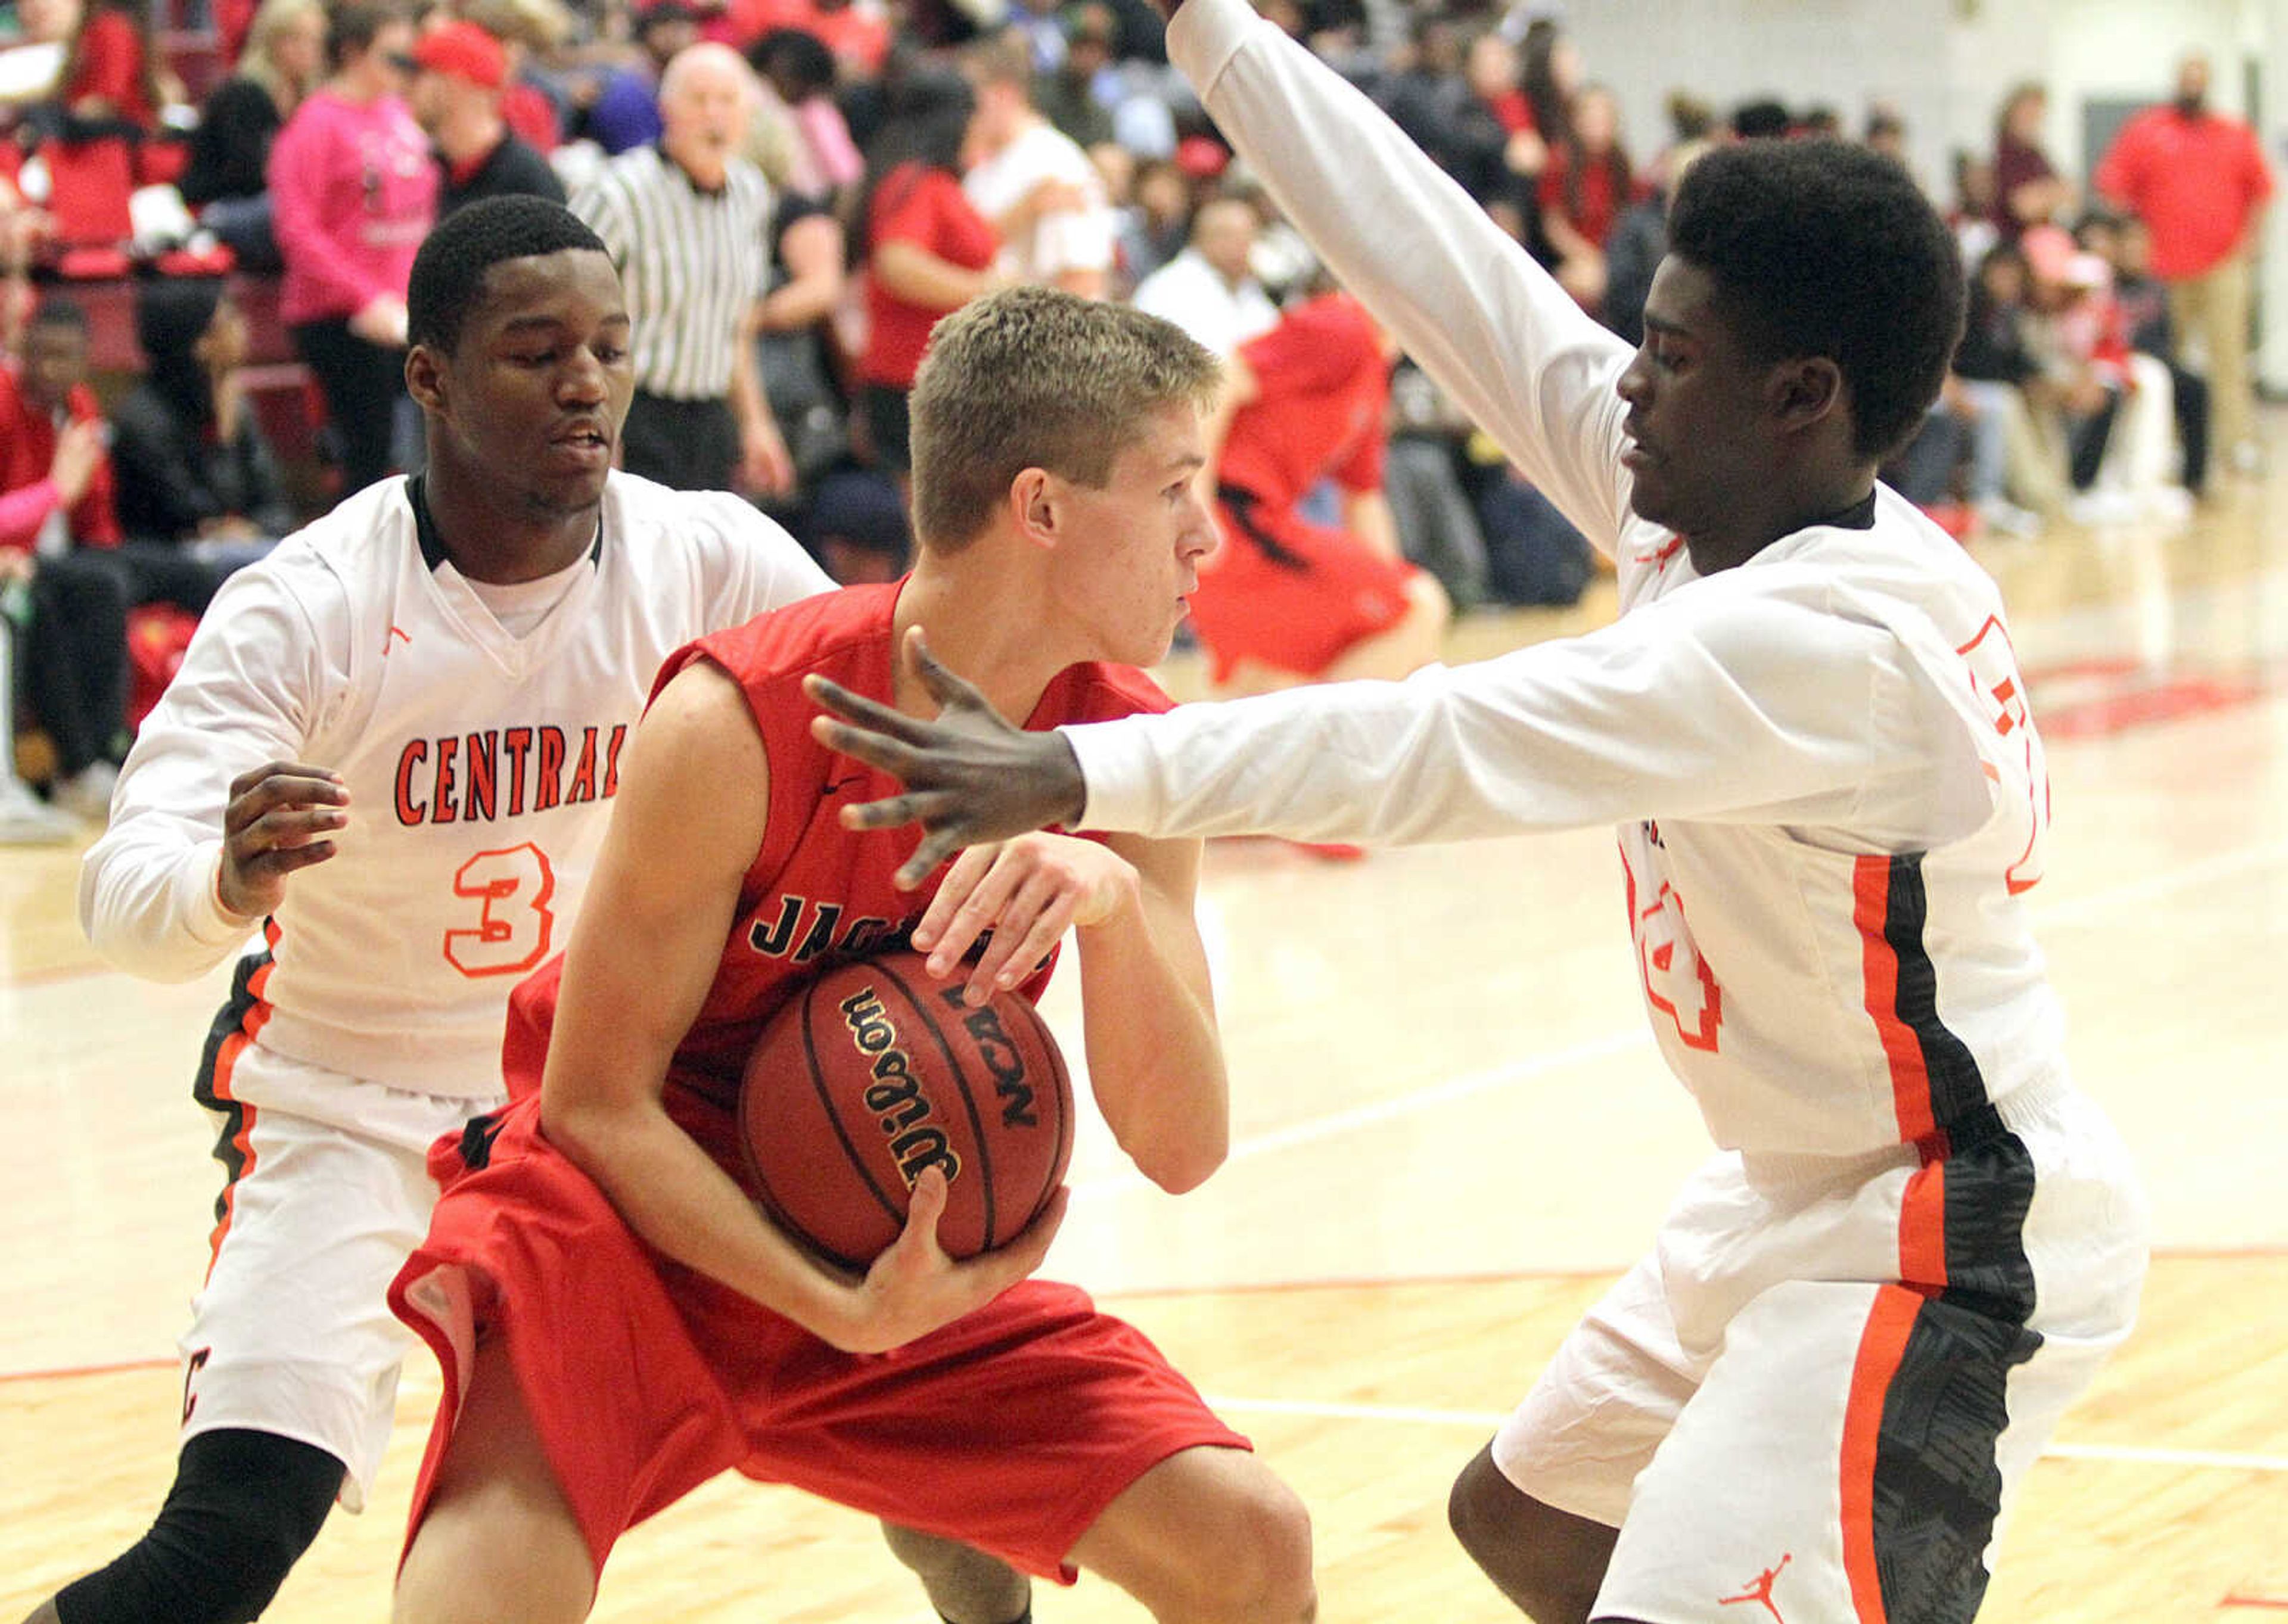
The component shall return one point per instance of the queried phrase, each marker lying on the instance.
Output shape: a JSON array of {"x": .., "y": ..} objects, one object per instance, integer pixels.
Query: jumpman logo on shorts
[{"x": 1759, "y": 1590}]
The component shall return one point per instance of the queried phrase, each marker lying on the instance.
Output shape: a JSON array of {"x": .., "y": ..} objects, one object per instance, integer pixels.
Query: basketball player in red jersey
[
  {"x": 1283, "y": 599},
  {"x": 599, "y": 1227}
]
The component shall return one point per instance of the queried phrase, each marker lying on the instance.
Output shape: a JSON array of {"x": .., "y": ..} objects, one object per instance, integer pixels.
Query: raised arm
[
  {"x": 1464, "y": 300},
  {"x": 1725, "y": 706},
  {"x": 687, "y": 823},
  {"x": 1728, "y": 707}
]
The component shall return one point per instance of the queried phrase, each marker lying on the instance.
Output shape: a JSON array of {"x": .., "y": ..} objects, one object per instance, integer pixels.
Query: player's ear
[
  {"x": 1034, "y": 506},
  {"x": 1805, "y": 390},
  {"x": 425, "y": 378}
]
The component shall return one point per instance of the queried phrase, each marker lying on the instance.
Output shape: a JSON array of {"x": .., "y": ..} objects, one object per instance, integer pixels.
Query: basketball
[{"x": 874, "y": 1072}]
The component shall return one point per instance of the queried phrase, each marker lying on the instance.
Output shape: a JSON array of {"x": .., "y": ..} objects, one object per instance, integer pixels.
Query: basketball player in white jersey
[
  {"x": 391, "y": 747},
  {"x": 1862, "y": 1319}
]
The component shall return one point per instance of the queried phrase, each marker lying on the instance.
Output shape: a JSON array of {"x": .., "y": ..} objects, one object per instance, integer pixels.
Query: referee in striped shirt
[{"x": 688, "y": 223}]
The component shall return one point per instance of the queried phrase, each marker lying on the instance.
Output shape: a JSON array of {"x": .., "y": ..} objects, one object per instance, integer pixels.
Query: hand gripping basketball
[{"x": 969, "y": 776}]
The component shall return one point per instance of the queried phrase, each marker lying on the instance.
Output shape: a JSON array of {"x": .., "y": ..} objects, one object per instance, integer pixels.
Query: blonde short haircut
[{"x": 1033, "y": 377}]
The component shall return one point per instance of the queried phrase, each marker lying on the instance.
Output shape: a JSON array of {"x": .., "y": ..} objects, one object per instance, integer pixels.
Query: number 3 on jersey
[
  {"x": 1677, "y": 980},
  {"x": 514, "y": 924}
]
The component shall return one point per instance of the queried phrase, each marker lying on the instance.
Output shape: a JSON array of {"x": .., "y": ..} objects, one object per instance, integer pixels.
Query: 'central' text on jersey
[{"x": 503, "y": 773}]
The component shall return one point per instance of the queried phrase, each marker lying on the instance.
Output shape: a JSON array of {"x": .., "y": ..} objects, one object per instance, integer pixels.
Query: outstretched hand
[{"x": 969, "y": 776}]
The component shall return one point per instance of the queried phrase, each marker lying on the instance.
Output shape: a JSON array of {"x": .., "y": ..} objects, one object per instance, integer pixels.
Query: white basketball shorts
[
  {"x": 1813, "y": 1400},
  {"x": 328, "y": 1194}
]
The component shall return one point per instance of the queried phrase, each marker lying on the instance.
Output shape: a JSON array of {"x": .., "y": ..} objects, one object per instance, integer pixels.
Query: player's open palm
[
  {"x": 280, "y": 818},
  {"x": 1027, "y": 891},
  {"x": 914, "y": 1289},
  {"x": 970, "y": 775}
]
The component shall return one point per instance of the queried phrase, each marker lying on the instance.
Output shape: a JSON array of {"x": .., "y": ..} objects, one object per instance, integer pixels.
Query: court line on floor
[
  {"x": 1490, "y": 1278},
  {"x": 2078, "y": 911},
  {"x": 2064, "y": 916},
  {"x": 1486, "y": 1421},
  {"x": 1313, "y": 1129}
]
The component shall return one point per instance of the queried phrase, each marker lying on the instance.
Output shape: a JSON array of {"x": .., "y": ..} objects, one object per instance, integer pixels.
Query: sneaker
[
  {"x": 27, "y": 820},
  {"x": 86, "y": 794}
]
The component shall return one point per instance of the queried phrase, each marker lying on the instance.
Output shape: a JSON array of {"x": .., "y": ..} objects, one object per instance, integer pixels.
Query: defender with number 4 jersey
[{"x": 1917, "y": 1240}]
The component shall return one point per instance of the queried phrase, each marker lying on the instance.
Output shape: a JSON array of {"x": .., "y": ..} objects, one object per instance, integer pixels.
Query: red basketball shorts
[
  {"x": 1011, "y": 1431},
  {"x": 1284, "y": 592}
]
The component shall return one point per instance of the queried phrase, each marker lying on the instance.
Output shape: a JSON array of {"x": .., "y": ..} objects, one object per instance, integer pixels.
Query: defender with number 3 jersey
[{"x": 477, "y": 729}]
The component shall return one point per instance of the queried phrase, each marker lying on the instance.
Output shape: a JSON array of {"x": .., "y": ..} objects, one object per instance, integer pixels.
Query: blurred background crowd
[{"x": 207, "y": 220}]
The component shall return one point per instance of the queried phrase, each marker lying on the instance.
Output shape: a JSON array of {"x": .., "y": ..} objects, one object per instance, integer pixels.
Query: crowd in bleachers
[{"x": 915, "y": 156}]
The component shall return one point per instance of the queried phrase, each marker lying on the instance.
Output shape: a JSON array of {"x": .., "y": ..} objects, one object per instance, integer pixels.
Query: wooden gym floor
[{"x": 1451, "y": 1130}]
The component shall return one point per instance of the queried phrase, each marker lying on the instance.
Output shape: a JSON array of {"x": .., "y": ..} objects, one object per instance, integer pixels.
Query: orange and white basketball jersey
[
  {"x": 1832, "y": 798},
  {"x": 479, "y": 767}
]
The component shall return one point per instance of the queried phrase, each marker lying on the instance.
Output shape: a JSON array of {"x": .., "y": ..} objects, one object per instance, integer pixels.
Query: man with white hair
[{"x": 687, "y": 222}]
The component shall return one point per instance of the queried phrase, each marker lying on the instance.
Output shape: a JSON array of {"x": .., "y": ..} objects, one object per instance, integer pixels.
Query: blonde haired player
[
  {"x": 391, "y": 746},
  {"x": 1917, "y": 1240},
  {"x": 596, "y": 1251}
]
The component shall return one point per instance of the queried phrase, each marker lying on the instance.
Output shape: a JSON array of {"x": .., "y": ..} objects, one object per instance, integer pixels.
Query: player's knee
[
  {"x": 964, "y": 1584},
  {"x": 244, "y": 1507},
  {"x": 1548, "y": 1563},
  {"x": 1475, "y": 1507},
  {"x": 1261, "y": 1569}
]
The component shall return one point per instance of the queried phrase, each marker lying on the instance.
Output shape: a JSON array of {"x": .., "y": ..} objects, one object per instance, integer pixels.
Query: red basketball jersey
[{"x": 816, "y": 893}]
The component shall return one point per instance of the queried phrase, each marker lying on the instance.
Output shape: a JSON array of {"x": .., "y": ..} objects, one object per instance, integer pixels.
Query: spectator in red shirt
[
  {"x": 55, "y": 511},
  {"x": 926, "y": 250},
  {"x": 1284, "y": 600},
  {"x": 1586, "y": 184},
  {"x": 109, "y": 77},
  {"x": 2199, "y": 181}
]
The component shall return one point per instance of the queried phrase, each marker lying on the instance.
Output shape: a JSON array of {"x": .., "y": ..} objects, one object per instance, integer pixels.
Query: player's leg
[
  {"x": 965, "y": 1585},
  {"x": 1549, "y": 1563},
  {"x": 497, "y": 1542},
  {"x": 1538, "y": 1509},
  {"x": 1207, "y": 1536},
  {"x": 1885, "y": 1421},
  {"x": 243, "y": 1508},
  {"x": 575, "y": 1404},
  {"x": 291, "y": 1357}
]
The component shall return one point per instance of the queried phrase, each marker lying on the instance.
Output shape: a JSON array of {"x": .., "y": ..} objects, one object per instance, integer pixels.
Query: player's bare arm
[
  {"x": 971, "y": 777},
  {"x": 1155, "y": 1054},
  {"x": 279, "y": 818},
  {"x": 635, "y": 976}
]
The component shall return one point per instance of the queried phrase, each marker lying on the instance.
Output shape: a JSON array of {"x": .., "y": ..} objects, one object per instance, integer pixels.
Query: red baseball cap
[{"x": 466, "y": 52}]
